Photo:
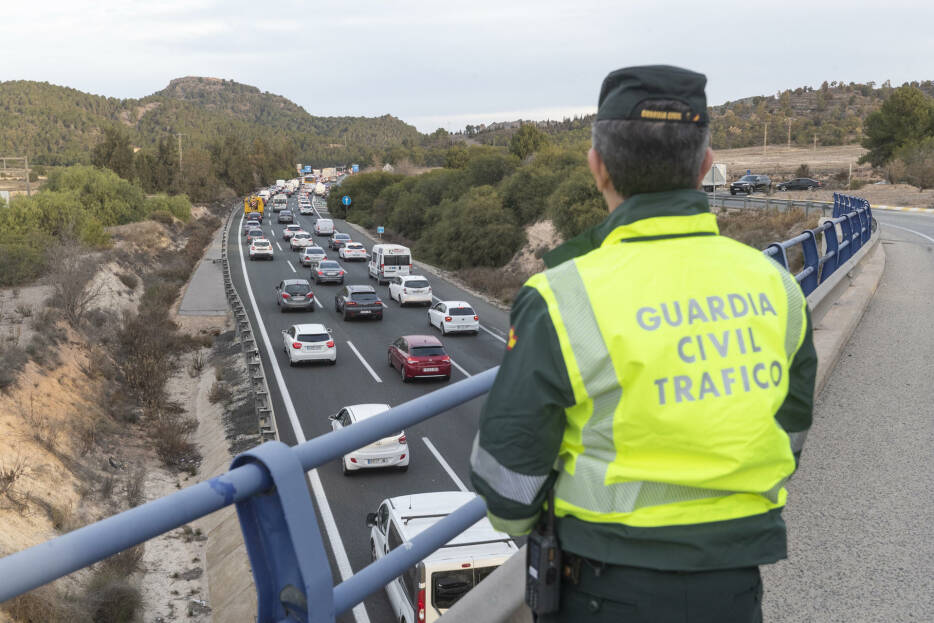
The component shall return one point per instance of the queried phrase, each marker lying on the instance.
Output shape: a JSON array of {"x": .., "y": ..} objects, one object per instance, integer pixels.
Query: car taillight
[
  {"x": 410, "y": 360},
  {"x": 320, "y": 273},
  {"x": 296, "y": 345},
  {"x": 446, "y": 359},
  {"x": 353, "y": 460},
  {"x": 447, "y": 319},
  {"x": 421, "y": 604},
  {"x": 351, "y": 303},
  {"x": 401, "y": 457},
  {"x": 402, "y": 438},
  {"x": 405, "y": 290},
  {"x": 382, "y": 266},
  {"x": 341, "y": 273},
  {"x": 331, "y": 344},
  {"x": 476, "y": 317},
  {"x": 286, "y": 295}
]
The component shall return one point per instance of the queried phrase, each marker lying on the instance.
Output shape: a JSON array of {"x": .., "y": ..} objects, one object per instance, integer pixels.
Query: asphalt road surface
[
  {"x": 439, "y": 447},
  {"x": 860, "y": 510}
]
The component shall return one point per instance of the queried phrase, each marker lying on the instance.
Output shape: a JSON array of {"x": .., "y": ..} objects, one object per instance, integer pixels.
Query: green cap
[{"x": 624, "y": 91}]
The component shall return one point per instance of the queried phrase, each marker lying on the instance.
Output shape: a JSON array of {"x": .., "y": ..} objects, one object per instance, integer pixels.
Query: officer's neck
[{"x": 613, "y": 199}]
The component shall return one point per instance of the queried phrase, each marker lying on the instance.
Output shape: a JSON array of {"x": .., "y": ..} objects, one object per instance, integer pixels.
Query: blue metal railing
[
  {"x": 853, "y": 217},
  {"x": 268, "y": 486}
]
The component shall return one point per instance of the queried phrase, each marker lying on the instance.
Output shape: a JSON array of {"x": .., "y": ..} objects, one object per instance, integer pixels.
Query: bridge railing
[
  {"x": 269, "y": 488},
  {"x": 842, "y": 236}
]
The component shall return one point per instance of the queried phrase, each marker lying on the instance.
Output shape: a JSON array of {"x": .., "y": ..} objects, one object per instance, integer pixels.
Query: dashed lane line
[
  {"x": 444, "y": 464},
  {"x": 365, "y": 364},
  {"x": 458, "y": 366}
]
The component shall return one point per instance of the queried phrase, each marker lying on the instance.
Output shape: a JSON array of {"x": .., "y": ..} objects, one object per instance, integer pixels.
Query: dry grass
[
  {"x": 782, "y": 163},
  {"x": 11, "y": 470}
]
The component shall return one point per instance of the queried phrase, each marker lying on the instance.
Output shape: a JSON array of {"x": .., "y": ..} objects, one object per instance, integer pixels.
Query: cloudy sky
[{"x": 450, "y": 63}]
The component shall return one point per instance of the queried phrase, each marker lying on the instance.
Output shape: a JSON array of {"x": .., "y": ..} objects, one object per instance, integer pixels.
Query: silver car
[
  {"x": 327, "y": 271},
  {"x": 295, "y": 294},
  {"x": 311, "y": 255}
]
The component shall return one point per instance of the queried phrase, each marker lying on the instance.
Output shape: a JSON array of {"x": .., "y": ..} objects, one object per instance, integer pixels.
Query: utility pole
[
  {"x": 765, "y": 138},
  {"x": 788, "y": 121},
  {"x": 815, "y": 142}
]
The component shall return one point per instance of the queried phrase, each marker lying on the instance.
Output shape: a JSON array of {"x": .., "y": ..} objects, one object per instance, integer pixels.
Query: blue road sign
[
  {"x": 345, "y": 200},
  {"x": 380, "y": 229}
]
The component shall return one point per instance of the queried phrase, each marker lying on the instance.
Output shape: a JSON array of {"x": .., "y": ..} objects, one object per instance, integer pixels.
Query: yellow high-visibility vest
[{"x": 677, "y": 343}]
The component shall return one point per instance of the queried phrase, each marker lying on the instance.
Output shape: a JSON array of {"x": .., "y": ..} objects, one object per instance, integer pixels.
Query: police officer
[{"x": 658, "y": 377}]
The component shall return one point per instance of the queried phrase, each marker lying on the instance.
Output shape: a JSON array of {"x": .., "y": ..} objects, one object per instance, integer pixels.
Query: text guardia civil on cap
[{"x": 625, "y": 90}]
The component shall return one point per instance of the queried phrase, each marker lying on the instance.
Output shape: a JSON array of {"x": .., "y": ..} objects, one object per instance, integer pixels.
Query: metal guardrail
[
  {"x": 262, "y": 403},
  {"x": 268, "y": 485},
  {"x": 842, "y": 237}
]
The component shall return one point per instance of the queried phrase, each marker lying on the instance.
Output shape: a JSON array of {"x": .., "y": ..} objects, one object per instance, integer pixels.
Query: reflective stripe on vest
[{"x": 586, "y": 486}]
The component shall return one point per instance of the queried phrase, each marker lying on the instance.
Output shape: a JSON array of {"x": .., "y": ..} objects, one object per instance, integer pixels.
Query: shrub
[
  {"x": 128, "y": 279},
  {"x": 23, "y": 259},
  {"x": 170, "y": 432},
  {"x": 111, "y": 598},
  {"x": 13, "y": 359},
  {"x": 219, "y": 393},
  {"x": 803, "y": 170},
  {"x": 162, "y": 216},
  {"x": 176, "y": 205},
  {"x": 11, "y": 470},
  {"x": 576, "y": 205}
]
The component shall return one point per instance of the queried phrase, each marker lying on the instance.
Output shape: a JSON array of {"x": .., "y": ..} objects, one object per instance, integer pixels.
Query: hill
[
  {"x": 58, "y": 125},
  {"x": 834, "y": 113}
]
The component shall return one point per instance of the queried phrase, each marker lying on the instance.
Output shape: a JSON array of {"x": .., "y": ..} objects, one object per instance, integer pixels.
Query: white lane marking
[
  {"x": 327, "y": 517},
  {"x": 482, "y": 328},
  {"x": 290, "y": 266},
  {"x": 464, "y": 372},
  {"x": 918, "y": 233},
  {"x": 277, "y": 244},
  {"x": 319, "y": 303},
  {"x": 363, "y": 361},
  {"x": 444, "y": 464}
]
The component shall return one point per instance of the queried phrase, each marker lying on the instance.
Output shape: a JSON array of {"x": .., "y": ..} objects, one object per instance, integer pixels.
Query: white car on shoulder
[
  {"x": 454, "y": 317},
  {"x": 300, "y": 240},
  {"x": 426, "y": 590},
  {"x": 410, "y": 289},
  {"x": 391, "y": 451},
  {"x": 352, "y": 251},
  {"x": 309, "y": 342}
]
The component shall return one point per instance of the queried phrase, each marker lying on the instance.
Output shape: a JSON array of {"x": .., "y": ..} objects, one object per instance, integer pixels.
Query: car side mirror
[
  {"x": 370, "y": 520},
  {"x": 332, "y": 417}
]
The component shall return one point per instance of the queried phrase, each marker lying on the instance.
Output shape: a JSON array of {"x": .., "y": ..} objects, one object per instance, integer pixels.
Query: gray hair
[{"x": 651, "y": 156}]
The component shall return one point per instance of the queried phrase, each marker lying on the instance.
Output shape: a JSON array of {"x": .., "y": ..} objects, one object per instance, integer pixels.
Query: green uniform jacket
[{"x": 523, "y": 422}]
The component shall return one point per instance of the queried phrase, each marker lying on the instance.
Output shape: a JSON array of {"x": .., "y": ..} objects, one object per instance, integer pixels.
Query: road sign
[
  {"x": 345, "y": 200},
  {"x": 380, "y": 229}
]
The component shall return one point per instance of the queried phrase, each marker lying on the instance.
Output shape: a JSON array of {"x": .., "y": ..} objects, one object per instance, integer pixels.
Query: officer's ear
[
  {"x": 598, "y": 169},
  {"x": 705, "y": 166}
]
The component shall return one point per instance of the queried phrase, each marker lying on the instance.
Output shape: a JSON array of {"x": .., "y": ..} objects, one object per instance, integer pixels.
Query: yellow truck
[{"x": 253, "y": 204}]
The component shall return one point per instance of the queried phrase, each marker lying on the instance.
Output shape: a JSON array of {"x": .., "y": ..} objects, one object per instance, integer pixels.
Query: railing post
[
  {"x": 290, "y": 567},
  {"x": 831, "y": 250},
  {"x": 846, "y": 240},
  {"x": 811, "y": 260},
  {"x": 779, "y": 256},
  {"x": 856, "y": 229}
]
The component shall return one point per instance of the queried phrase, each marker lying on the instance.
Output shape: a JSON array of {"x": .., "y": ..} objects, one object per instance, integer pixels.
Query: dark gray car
[
  {"x": 357, "y": 301},
  {"x": 327, "y": 271},
  {"x": 285, "y": 216},
  {"x": 295, "y": 294}
]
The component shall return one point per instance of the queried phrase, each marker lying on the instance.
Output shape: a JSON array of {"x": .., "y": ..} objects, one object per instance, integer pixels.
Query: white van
[
  {"x": 324, "y": 227},
  {"x": 424, "y": 592},
  {"x": 388, "y": 261},
  {"x": 279, "y": 202}
]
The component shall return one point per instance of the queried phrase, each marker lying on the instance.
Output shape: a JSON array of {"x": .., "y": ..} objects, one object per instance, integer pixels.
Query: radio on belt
[{"x": 543, "y": 564}]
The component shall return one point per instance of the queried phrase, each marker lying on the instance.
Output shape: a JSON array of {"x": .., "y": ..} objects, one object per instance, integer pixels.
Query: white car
[
  {"x": 260, "y": 248},
  {"x": 289, "y": 230},
  {"x": 312, "y": 254},
  {"x": 352, "y": 251},
  {"x": 426, "y": 590},
  {"x": 392, "y": 451},
  {"x": 309, "y": 342},
  {"x": 305, "y": 208},
  {"x": 300, "y": 240},
  {"x": 454, "y": 316},
  {"x": 410, "y": 289}
]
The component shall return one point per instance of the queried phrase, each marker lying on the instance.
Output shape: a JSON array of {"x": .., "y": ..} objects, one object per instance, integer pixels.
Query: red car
[{"x": 420, "y": 356}]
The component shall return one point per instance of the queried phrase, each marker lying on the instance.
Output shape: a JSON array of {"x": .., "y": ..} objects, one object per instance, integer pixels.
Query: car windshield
[
  {"x": 355, "y": 247},
  {"x": 314, "y": 251},
  {"x": 427, "y": 351},
  {"x": 313, "y": 337},
  {"x": 341, "y": 236},
  {"x": 302, "y": 234},
  {"x": 329, "y": 265},
  {"x": 256, "y": 232},
  {"x": 364, "y": 297},
  {"x": 748, "y": 178},
  {"x": 297, "y": 288},
  {"x": 260, "y": 243},
  {"x": 415, "y": 283},
  {"x": 461, "y": 311}
]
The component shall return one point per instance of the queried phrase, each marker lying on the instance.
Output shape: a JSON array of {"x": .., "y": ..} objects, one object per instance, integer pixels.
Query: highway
[{"x": 439, "y": 447}]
